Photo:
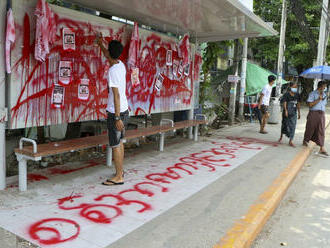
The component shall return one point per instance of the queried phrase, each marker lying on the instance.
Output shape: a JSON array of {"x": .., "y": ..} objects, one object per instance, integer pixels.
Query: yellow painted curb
[{"x": 245, "y": 230}]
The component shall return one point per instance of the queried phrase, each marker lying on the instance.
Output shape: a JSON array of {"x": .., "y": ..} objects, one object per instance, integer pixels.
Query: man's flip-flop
[
  {"x": 112, "y": 183},
  {"x": 323, "y": 154}
]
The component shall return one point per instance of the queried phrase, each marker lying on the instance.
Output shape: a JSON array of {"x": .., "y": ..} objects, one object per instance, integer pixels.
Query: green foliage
[
  {"x": 211, "y": 54},
  {"x": 301, "y": 35}
]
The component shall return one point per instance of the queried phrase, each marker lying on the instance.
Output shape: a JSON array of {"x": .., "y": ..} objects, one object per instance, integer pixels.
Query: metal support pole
[
  {"x": 243, "y": 79},
  {"x": 190, "y": 117},
  {"x": 275, "y": 109},
  {"x": 109, "y": 156},
  {"x": 161, "y": 142},
  {"x": 22, "y": 174},
  {"x": 322, "y": 45},
  {"x": 233, "y": 86},
  {"x": 196, "y": 133},
  {"x": 3, "y": 15}
]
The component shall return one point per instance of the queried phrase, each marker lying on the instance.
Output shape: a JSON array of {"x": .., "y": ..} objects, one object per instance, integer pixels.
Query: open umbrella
[{"x": 317, "y": 72}]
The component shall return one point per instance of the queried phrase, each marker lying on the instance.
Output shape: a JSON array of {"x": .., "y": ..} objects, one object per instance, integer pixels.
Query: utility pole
[
  {"x": 275, "y": 104},
  {"x": 233, "y": 86},
  {"x": 281, "y": 49},
  {"x": 243, "y": 79},
  {"x": 322, "y": 46}
]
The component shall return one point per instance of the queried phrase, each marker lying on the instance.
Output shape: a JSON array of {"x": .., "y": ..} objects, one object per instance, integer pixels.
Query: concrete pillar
[{"x": 3, "y": 14}]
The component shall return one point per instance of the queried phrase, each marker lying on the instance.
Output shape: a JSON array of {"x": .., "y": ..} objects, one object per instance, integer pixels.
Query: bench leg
[
  {"x": 196, "y": 133},
  {"x": 22, "y": 174},
  {"x": 161, "y": 142},
  {"x": 190, "y": 132},
  {"x": 109, "y": 156}
]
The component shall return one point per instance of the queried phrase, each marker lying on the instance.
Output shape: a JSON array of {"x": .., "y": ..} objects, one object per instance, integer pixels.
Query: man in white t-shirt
[
  {"x": 264, "y": 102},
  {"x": 117, "y": 107}
]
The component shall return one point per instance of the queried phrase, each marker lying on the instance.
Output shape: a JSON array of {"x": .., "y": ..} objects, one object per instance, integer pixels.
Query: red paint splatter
[
  {"x": 36, "y": 177},
  {"x": 103, "y": 213},
  {"x": 33, "y": 103}
]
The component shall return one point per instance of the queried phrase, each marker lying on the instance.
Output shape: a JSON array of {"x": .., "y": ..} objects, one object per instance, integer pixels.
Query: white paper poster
[
  {"x": 69, "y": 39},
  {"x": 135, "y": 77},
  {"x": 57, "y": 100},
  {"x": 187, "y": 70},
  {"x": 65, "y": 72},
  {"x": 169, "y": 58},
  {"x": 159, "y": 82},
  {"x": 83, "y": 89},
  {"x": 180, "y": 70}
]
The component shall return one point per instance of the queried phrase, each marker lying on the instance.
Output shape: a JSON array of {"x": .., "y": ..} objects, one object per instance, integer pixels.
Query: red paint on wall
[{"x": 37, "y": 79}]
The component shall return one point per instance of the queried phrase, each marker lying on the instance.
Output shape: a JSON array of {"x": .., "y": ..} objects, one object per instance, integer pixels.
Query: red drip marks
[
  {"x": 33, "y": 105},
  {"x": 247, "y": 141},
  {"x": 36, "y": 177},
  {"x": 59, "y": 171}
]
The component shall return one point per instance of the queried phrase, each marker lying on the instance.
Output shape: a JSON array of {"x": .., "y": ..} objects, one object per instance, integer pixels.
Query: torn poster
[
  {"x": 65, "y": 72},
  {"x": 69, "y": 39},
  {"x": 169, "y": 57},
  {"x": 46, "y": 27},
  {"x": 159, "y": 82},
  {"x": 184, "y": 49},
  {"x": 10, "y": 38},
  {"x": 135, "y": 77},
  {"x": 57, "y": 100},
  {"x": 83, "y": 89},
  {"x": 134, "y": 46}
]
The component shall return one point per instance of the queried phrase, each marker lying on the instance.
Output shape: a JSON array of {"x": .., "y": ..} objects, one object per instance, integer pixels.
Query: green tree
[{"x": 301, "y": 36}]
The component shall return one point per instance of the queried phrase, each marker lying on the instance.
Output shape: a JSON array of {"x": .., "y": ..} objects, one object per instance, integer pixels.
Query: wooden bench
[{"x": 36, "y": 152}]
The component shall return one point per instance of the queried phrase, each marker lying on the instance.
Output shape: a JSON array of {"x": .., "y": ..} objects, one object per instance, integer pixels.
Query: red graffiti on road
[
  {"x": 45, "y": 226},
  {"x": 105, "y": 208}
]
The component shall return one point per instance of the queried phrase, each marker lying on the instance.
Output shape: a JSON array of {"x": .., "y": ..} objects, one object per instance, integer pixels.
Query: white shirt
[
  {"x": 266, "y": 91},
  {"x": 117, "y": 79}
]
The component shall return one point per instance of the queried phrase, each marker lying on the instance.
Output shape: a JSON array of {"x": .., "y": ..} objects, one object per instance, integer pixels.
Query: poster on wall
[
  {"x": 69, "y": 39},
  {"x": 169, "y": 57},
  {"x": 180, "y": 70},
  {"x": 135, "y": 77},
  {"x": 187, "y": 69},
  {"x": 65, "y": 72},
  {"x": 83, "y": 89},
  {"x": 57, "y": 100},
  {"x": 175, "y": 68},
  {"x": 159, "y": 82}
]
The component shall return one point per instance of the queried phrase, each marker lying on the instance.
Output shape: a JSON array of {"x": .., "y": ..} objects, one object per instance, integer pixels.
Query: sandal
[{"x": 112, "y": 183}]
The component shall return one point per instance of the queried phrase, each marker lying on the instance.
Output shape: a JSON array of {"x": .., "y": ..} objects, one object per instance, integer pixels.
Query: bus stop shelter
[{"x": 203, "y": 20}]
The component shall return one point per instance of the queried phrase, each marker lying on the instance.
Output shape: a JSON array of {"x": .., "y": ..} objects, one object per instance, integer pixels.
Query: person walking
[
  {"x": 315, "y": 126},
  {"x": 117, "y": 108},
  {"x": 291, "y": 106},
  {"x": 264, "y": 102}
]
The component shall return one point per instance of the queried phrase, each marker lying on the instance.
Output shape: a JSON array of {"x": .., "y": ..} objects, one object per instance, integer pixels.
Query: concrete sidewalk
[
  {"x": 302, "y": 219},
  {"x": 194, "y": 210}
]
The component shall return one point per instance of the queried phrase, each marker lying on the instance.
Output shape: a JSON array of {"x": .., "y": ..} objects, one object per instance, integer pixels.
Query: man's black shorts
[
  {"x": 116, "y": 136},
  {"x": 264, "y": 109}
]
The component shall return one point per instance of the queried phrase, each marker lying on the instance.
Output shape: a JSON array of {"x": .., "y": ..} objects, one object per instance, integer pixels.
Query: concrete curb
[{"x": 245, "y": 230}]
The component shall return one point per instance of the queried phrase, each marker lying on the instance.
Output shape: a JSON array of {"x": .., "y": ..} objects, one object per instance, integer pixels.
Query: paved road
[{"x": 303, "y": 218}]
